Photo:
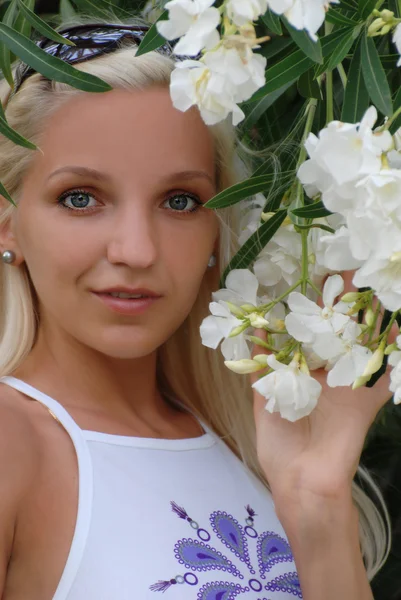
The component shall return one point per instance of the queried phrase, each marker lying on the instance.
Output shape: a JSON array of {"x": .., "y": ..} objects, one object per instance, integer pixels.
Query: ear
[{"x": 8, "y": 239}]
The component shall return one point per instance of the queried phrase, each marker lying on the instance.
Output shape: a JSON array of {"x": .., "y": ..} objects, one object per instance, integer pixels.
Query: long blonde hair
[{"x": 186, "y": 369}]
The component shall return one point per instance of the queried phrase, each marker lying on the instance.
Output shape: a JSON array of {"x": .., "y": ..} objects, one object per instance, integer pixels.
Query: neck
[{"x": 121, "y": 390}]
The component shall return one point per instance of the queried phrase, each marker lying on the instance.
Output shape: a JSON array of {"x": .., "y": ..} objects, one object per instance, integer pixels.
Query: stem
[
  {"x": 329, "y": 99},
  {"x": 272, "y": 304},
  {"x": 395, "y": 115},
  {"x": 376, "y": 316},
  {"x": 343, "y": 75},
  {"x": 305, "y": 264},
  {"x": 313, "y": 286}
]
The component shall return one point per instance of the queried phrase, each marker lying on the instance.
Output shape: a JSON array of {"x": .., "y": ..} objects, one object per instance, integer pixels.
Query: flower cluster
[
  {"x": 355, "y": 171},
  {"x": 229, "y": 71}
]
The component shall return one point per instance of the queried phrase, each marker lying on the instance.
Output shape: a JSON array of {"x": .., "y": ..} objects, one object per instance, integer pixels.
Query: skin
[
  {"x": 101, "y": 366},
  {"x": 133, "y": 238}
]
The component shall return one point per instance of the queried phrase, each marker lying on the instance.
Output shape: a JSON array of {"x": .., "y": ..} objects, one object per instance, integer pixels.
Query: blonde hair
[{"x": 201, "y": 382}]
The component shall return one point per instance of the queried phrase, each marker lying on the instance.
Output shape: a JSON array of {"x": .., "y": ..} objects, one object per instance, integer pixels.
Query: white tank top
[{"x": 174, "y": 519}]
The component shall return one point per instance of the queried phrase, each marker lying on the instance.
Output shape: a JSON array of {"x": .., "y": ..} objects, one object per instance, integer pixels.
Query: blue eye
[
  {"x": 77, "y": 199},
  {"x": 185, "y": 203}
]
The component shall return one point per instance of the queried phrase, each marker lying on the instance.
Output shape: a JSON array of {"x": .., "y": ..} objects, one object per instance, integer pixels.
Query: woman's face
[{"x": 114, "y": 203}]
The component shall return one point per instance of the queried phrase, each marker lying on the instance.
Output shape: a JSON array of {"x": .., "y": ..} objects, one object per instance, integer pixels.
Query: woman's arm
[{"x": 324, "y": 538}]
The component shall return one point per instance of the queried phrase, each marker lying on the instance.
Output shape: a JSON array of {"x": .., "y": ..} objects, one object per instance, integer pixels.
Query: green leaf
[
  {"x": 311, "y": 49},
  {"x": 308, "y": 86},
  {"x": 49, "y": 66},
  {"x": 340, "y": 52},
  {"x": 41, "y": 26},
  {"x": 349, "y": 4},
  {"x": 67, "y": 10},
  {"x": 255, "y": 244},
  {"x": 275, "y": 46},
  {"x": 375, "y": 77},
  {"x": 337, "y": 18},
  {"x": 5, "y": 194},
  {"x": 293, "y": 66},
  {"x": 256, "y": 109},
  {"x": 247, "y": 188},
  {"x": 312, "y": 211},
  {"x": 5, "y": 55},
  {"x": 152, "y": 40},
  {"x": 21, "y": 24},
  {"x": 272, "y": 22},
  {"x": 366, "y": 7},
  {"x": 356, "y": 98},
  {"x": 14, "y": 136}
]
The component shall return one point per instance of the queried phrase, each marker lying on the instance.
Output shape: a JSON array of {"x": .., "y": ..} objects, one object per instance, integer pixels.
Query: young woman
[{"x": 130, "y": 461}]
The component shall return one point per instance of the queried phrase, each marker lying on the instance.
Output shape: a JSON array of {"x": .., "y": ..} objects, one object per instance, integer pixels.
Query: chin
[{"x": 128, "y": 346}]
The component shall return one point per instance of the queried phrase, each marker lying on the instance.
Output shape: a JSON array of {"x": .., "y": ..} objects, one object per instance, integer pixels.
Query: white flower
[
  {"x": 303, "y": 14},
  {"x": 242, "y": 70},
  {"x": 383, "y": 274},
  {"x": 340, "y": 156},
  {"x": 347, "y": 358},
  {"x": 307, "y": 320},
  {"x": 289, "y": 391},
  {"x": 241, "y": 12},
  {"x": 195, "y": 22},
  {"x": 280, "y": 261},
  {"x": 192, "y": 83},
  {"x": 241, "y": 288},
  {"x": 338, "y": 255},
  {"x": 397, "y": 41}
]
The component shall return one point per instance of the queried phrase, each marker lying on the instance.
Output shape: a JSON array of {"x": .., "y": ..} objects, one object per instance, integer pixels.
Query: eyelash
[{"x": 65, "y": 195}]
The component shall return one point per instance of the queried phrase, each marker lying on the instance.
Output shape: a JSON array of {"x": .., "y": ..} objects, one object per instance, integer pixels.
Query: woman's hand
[
  {"x": 310, "y": 465},
  {"x": 318, "y": 455}
]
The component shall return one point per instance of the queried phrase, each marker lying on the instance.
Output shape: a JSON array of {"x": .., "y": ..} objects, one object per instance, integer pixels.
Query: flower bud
[
  {"x": 244, "y": 366},
  {"x": 257, "y": 321},
  {"x": 360, "y": 381},
  {"x": 369, "y": 317},
  {"x": 248, "y": 308},
  {"x": 266, "y": 216},
  {"x": 238, "y": 330},
  {"x": 391, "y": 348},
  {"x": 234, "y": 309},
  {"x": 350, "y": 297},
  {"x": 261, "y": 359},
  {"x": 387, "y": 15},
  {"x": 375, "y": 362},
  {"x": 375, "y": 26}
]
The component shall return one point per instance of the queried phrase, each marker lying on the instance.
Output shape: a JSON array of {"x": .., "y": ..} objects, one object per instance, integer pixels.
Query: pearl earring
[
  {"x": 8, "y": 257},
  {"x": 212, "y": 261}
]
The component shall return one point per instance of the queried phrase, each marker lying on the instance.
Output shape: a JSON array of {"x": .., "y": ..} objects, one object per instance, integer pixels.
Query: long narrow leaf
[
  {"x": 313, "y": 211},
  {"x": 375, "y": 77},
  {"x": 272, "y": 22},
  {"x": 340, "y": 52},
  {"x": 5, "y": 55},
  {"x": 337, "y": 18},
  {"x": 255, "y": 244},
  {"x": 257, "y": 109},
  {"x": 67, "y": 10},
  {"x": 49, "y": 66},
  {"x": 152, "y": 40},
  {"x": 294, "y": 65},
  {"x": 356, "y": 98},
  {"x": 14, "y": 136},
  {"x": 365, "y": 7},
  {"x": 5, "y": 194},
  {"x": 22, "y": 25},
  {"x": 312, "y": 50},
  {"x": 245, "y": 189},
  {"x": 41, "y": 26}
]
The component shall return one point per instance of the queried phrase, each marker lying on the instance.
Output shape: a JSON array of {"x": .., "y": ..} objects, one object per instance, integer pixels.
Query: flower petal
[{"x": 333, "y": 287}]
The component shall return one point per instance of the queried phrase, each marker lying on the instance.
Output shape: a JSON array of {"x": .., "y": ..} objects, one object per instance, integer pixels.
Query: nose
[{"x": 133, "y": 237}]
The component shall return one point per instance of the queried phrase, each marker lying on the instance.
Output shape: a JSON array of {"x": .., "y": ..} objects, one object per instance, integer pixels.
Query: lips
[{"x": 129, "y": 292}]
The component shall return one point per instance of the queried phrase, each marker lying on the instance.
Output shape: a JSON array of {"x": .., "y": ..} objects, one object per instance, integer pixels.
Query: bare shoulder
[{"x": 19, "y": 463}]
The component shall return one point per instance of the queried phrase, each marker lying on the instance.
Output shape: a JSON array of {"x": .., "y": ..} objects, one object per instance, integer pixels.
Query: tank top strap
[{"x": 85, "y": 479}]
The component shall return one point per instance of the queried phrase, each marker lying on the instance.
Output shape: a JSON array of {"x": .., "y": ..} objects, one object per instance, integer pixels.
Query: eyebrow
[{"x": 86, "y": 171}]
